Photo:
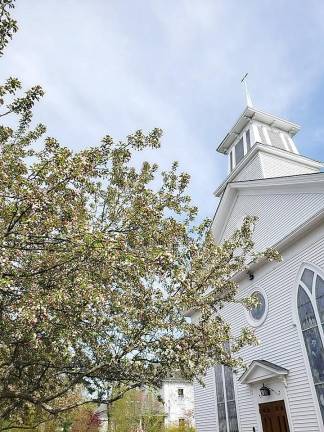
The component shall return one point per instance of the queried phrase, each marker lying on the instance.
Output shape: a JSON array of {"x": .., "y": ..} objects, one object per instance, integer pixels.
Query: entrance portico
[{"x": 268, "y": 386}]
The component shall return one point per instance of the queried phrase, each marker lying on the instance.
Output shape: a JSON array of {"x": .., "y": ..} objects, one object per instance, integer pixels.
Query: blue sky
[{"x": 114, "y": 66}]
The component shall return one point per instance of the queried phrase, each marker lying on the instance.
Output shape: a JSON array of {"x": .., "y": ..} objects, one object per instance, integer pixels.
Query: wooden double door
[{"x": 274, "y": 416}]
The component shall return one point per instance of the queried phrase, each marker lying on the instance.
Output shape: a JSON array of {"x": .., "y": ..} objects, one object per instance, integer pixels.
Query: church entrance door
[{"x": 274, "y": 416}]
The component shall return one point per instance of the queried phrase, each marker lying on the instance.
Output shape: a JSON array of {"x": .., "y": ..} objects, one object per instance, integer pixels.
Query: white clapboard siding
[
  {"x": 265, "y": 165},
  {"x": 253, "y": 170},
  {"x": 247, "y": 414},
  {"x": 205, "y": 404},
  {"x": 280, "y": 344},
  {"x": 280, "y": 341},
  {"x": 275, "y": 166},
  {"x": 279, "y": 214}
]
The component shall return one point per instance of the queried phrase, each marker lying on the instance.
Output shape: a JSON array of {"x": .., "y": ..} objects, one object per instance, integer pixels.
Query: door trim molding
[{"x": 282, "y": 402}]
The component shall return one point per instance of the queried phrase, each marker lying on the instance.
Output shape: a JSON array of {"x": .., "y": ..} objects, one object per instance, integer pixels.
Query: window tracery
[{"x": 310, "y": 304}]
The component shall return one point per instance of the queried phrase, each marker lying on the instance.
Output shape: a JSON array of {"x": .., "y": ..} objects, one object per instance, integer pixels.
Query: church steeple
[
  {"x": 260, "y": 145},
  {"x": 246, "y": 90}
]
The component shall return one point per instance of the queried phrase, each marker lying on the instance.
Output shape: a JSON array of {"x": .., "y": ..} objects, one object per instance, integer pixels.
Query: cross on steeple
[{"x": 247, "y": 94}]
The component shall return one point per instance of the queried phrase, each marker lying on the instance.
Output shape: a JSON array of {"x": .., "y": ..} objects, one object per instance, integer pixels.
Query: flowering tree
[
  {"x": 99, "y": 260},
  {"x": 140, "y": 410},
  {"x": 86, "y": 420}
]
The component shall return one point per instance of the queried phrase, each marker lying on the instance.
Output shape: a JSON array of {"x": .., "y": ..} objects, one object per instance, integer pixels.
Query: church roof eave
[
  {"x": 249, "y": 114},
  {"x": 289, "y": 239}
]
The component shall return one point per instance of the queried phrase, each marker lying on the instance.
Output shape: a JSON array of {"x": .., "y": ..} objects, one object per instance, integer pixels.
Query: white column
[
  {"x": 293, "y": 146},
  {"x": 286, "y": 142},
  {"x": 255, "y": 136},
  {"x": 266, "y": 135},
  {"x": 229, "y": 161},
  {"x": 244, "y": 143}
]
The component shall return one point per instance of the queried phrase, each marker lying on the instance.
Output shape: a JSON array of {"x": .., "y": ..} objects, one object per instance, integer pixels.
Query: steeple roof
[
  {"x": 249, "y": 114},
  {"x": 302, "y": 165}
]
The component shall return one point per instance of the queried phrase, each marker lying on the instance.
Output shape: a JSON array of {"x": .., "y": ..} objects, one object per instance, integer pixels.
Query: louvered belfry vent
[
  {"x": 276, "y": 139},
  {"x": 262, "y": 136}
]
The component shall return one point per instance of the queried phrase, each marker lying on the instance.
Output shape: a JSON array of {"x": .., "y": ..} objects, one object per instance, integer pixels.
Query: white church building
[{"x": 282, "y": 388}]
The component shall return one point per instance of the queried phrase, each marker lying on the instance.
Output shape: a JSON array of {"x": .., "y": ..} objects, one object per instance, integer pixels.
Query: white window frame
[
  {"x": 245, "y": 149},
  {"x": 252, "y": 321},
  {"x": 317, "y": 271},
  {"x": 238, "y": 139},
  {"x": 181, "y": 397},
  {"x": 225, "y": 398}
]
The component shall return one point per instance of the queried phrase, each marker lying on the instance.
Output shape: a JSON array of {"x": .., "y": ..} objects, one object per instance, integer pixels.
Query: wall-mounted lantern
[{"x": 265, "y": 391}]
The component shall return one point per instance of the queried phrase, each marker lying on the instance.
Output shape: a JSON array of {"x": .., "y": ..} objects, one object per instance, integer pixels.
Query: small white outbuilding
[{"x": 178, "y": 401}]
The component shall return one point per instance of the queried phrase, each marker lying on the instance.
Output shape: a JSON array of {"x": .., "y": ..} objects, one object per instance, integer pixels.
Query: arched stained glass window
[
  {"x": 319, "y": 287},
  {"x": 307, "y": 278},
  {"x": 310, "y": 304},
  {"x": 305, "y": 310}
]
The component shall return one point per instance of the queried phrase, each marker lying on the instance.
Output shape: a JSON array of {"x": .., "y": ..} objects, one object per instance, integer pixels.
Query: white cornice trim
[
  {"x": 223, "y": 211},
  {"x": 258, "y": 147},
  {"x": 253, "y": 114},
  {"x": 303, "y": 229},
  {"x": 314, "y": 221},
  {"x": 283, "y": 182},
  {"x": 299, "y": 231}
]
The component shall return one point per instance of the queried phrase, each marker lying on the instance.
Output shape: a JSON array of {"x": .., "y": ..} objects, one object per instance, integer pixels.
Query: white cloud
[{"x": 115, "y": 66}]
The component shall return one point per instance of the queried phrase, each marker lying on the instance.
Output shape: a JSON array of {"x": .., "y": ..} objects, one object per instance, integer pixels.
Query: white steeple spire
[{"x": 247, "y": 94}]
